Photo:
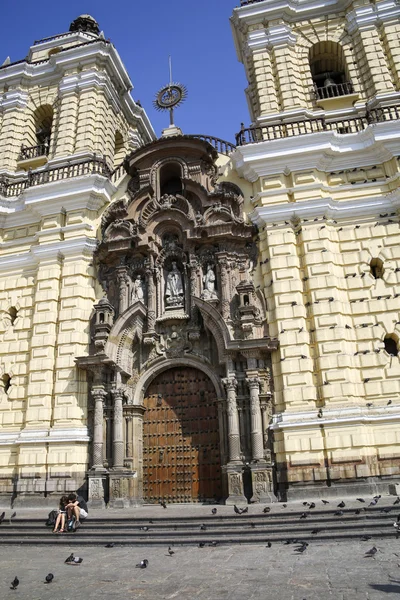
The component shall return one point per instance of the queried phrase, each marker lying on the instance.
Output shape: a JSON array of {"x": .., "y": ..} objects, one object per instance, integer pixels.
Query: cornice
[
  {"x": 325, "y": 207},
  {"x": 278, "y": 36},
  {"x": 372, "y": 15},
  {"x": 325, "y": 151},
  {"x": 49, "y": 253},
  {"x": 45, "y": 436},
  {"x": 339, "y": 417},
  {"x": 13, "y": 99}
]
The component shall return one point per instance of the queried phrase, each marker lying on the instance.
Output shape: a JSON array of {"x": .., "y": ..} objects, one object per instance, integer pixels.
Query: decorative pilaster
[
  {"x": 230, "y": 384},
  {"x": 118, "y": 433},
  {"x": 256, "y": 419},
  {"x": 151, "y": 301}
]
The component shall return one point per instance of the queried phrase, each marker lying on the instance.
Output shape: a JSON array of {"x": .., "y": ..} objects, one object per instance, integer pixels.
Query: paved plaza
[{"x": 325, "y": 570}]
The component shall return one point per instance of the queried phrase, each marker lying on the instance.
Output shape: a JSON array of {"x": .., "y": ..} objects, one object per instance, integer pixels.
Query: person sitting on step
[
  {"x": 59, "y": 526},
  {"x": 77, "y": 508}
]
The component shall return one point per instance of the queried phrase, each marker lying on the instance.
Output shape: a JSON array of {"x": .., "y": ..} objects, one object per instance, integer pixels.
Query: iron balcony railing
[
  {"x": 9, "y": 187},
  {"x": 276, "y": 131},
  {"x": 33, "y": 151},
  {"x": 245, "y": 2},
  {"x": 221, "y": 146},
  {"x": 334, "y": 90}
]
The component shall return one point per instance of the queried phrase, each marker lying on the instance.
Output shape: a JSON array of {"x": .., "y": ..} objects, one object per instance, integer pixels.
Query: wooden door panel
[{"x": 180, "y": 438}]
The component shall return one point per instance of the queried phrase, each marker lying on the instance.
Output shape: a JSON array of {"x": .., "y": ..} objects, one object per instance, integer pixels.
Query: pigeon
[
  {"x": 312, "y": 505},
  {"x": 387, "y": 509},
  {"x": 240, "y": 511},
  {"x": 143, "y": 564},
  {"x": 13, "y": 516},
  {"x": 365, "y": 538},
  {"x": 253, "y": 525},
  {"x": 49, "y": 578},
  {"x": 214, "y": 511},
  {"x": 371, "y": 552},
  {"x": 70, "y": 558},
  {"x": 325, "y": 501},
  {"x": 268, "y": 545},
  {"x": 358, "y": 511},
  {"x": 15, "y": 583},
  {"x": 341, "y": 504},
  {"x": 163, "y": 504},
  {"x": 2, "y": 517},
  {"x": 305, "y": 503},
  {"x": 213, "y": 544},
  {"x": 145, "y": 528},
  {"x": 303, "y": 515},
  {"x": 360, "y": 499},
  {"x": 110, "y": 545},
  {"x": 75, "y": 561},
  {"x": 338, "y": 513},
  {"x": 267, "y": 509},
  {"x": 201, "y": 545},
  {"x": 302, "y": 548},
  {"x": 373, "y": 502},
  {"x": 203, "y": 527},
  {"x": 397, "y": 501},
  {"x": 284, "y": 505},
  {"x": 170, "y": 551},
  {"x": 315, "y": 531}
]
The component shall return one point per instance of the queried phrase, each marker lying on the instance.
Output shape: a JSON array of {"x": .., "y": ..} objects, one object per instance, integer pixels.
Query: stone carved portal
[
  {"x": 181, "y": 445},
  {"x": 176, "y": 270}
]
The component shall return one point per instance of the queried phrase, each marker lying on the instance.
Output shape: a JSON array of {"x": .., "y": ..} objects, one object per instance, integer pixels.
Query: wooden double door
[{"x": 181, "y": 448}]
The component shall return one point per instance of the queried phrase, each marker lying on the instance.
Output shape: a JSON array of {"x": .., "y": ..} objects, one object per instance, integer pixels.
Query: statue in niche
[
  {"x": 209, "y": 284},
  {"x": 174, "y": 287},
  {"x": 138, "y": 289}
]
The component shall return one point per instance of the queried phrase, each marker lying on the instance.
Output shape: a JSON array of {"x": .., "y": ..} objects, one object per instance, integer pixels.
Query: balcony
[
  {"x": 253, "y": 135},
  {"x": 335, "y": 95},
  {"x": 246, "y": 2},
  {"x": 31, "y": 157}
]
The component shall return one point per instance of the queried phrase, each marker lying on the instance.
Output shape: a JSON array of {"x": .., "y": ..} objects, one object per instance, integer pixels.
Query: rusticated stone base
[
  {"x": 34, "y": 490},
  {"x": 261, "y": 476},
  {"x": 123, "y": 489},
  {"x": 97, "y": 485}
]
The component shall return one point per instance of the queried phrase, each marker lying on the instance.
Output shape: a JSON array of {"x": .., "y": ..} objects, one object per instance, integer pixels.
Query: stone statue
[
  {"x": 209, "y": 284},
  {"x": 138, "y": 289},
  {"x": 174, "y": 287}
]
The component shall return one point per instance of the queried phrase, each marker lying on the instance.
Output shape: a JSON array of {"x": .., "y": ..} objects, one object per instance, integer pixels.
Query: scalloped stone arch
[
  {"x": 119, "y": 344},
  {"x": 169, "y": 363}
]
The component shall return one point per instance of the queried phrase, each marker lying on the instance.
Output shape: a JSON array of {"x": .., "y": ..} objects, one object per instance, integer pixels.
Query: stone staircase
[{"x": 183, "y": 527}]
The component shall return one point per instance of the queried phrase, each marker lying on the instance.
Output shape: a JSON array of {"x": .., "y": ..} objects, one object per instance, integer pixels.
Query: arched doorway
[{"x": 181, "y": 447}]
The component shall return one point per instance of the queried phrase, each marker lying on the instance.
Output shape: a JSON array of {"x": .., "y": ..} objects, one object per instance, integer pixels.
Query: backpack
[
  {"x": 51, "y": 520},
  {"x": 71, "y": 524},
  {"x": 82, "y": 503}
]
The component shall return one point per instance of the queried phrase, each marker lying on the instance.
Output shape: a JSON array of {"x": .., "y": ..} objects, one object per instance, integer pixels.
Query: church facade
[{"x": 189, "y": 320}]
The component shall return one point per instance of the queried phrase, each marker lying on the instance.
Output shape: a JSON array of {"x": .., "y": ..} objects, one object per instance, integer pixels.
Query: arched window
[
  {"x": 6, "y": 383},
  {"x": 170, "y": 179},
  {"x": 38, "y": 133},
  {"x": 391, "y": 343},
  {"x": 329, "y": 70},
  {"x": 376, "y": 266},
  {"x": 119, "y": 149}
]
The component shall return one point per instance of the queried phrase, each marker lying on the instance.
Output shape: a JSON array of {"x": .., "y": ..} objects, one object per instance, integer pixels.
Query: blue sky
[{"x": 196, "y": 33}]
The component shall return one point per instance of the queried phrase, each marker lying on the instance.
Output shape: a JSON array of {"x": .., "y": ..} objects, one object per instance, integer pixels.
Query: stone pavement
[{"x": 336, "y": 571}]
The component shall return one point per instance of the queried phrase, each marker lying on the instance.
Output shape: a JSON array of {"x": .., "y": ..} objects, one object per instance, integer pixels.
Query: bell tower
[{"x": 322, "y": 155}]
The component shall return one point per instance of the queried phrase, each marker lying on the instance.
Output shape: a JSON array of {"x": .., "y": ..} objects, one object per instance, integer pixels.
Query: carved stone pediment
[
  {"x": 119, "y": 230},
  {"x": 115, "y": 212}
]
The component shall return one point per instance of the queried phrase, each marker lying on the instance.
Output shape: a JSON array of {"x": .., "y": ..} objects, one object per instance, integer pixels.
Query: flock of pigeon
[{"x": 301, "y": 545}]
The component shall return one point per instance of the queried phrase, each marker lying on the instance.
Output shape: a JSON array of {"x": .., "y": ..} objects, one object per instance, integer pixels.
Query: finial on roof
[
  {"x": 6, "y": 62},
  {"x": 85, "y": 23}
]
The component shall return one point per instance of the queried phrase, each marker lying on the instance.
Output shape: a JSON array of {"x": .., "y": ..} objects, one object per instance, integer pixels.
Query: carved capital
[
  {"x": 98, "y": 393},
  {"x": 118, "y": 394},
  {"x": 230, "y": 384},
  {"x": 253, "y": 383}
]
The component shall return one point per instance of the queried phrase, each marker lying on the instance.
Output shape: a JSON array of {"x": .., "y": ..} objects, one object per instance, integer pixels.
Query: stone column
[
  {"x": 99, "y": 394},
  {"x": 230, "y": 384},
  {"x": 118, "y": 432},
  {"x": 256, "y": 419},
  {"x": 151, "y": 301},
  {"x": 122, "y": 278},
  {"x": 224, "y": 277}
]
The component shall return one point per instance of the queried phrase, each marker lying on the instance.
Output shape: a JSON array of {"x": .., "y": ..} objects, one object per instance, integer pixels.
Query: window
[
  {"x": 376, "y": 266},
  {"x": 170, "y": 179},
  {"x": 329, "y": 70},
  {"x": 391, "y": 342}
]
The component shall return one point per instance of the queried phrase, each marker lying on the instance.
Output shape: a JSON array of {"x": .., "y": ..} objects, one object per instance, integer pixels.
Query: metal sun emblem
[{"x": 171, "y": 96}]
